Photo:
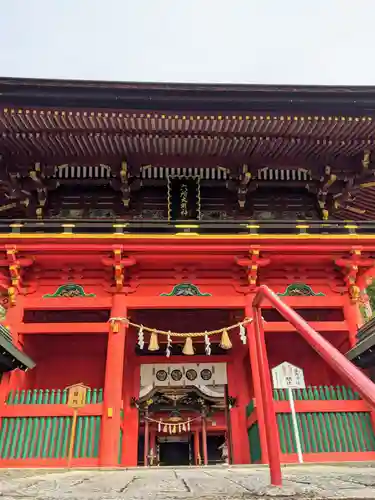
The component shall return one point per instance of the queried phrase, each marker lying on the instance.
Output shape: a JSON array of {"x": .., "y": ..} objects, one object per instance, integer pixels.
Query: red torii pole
[{"x": 337, "y": 361}]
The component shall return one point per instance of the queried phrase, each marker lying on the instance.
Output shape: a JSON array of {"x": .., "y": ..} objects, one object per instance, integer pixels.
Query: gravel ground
[{"x": 208, "y": 483}]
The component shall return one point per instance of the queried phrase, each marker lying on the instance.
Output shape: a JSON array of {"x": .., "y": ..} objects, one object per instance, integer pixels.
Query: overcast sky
[{"x": 231, "y": 41}]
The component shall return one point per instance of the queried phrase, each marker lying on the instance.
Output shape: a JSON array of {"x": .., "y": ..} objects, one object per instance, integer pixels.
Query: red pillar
[
  {"x": 204, "y": 441},
  {"x": 272, "y": 433},
  {"x": 146, "y": 449},
  {"x": 196, "y": 447},
  {"x": 256, "y": 380},
  {"x": 129, "y": 456},
  {"x": 110, "y": 428},
  {"x": 153, "y": 441},
  {"x": 353, "y": 320},
  {"x": 237, "y": 389}
]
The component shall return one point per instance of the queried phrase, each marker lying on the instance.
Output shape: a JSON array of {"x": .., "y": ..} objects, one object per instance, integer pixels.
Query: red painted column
[
  {"x": 146, "y": 449},
  {"x": 153, "y": 441},
  {"x": 272, "y": 433},
  {"x": 196, "y": 447},
  {"x": 153, "y": 445},
  {"x": 237, "y": 389},
  {"x": 129, "y": 456},
  {"x": 256, "y": 380},
  {"x": 352, "y": 318},
  {"x": 204, "y": 441},
  {"x": 110, "y": 427}
]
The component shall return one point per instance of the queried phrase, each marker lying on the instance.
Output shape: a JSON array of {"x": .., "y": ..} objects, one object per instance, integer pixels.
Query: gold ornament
[
  {"x": 188, "y": 349},
  {"x": 154, "y": 344},
  {"x": 12, "y": 296},
  {"x": 225, "y": 342},
  {"x": 354, "y": 292},
  {"x": 115, "y": 326}
]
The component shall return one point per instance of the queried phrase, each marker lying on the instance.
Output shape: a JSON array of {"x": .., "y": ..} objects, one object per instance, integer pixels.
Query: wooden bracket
[
  {"x": 119, "y": 263},
  {"x": 353, "y": 268},
  {"x": 252, "y": 264},
  {"x": 15, "y": 265}
]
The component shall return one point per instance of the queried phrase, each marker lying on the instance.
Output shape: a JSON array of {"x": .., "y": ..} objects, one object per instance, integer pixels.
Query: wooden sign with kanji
[{"x": 77, "y": 396}]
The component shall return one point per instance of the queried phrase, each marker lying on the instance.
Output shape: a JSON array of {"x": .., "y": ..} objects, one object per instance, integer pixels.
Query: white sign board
[{"x": 288, "y": 376}]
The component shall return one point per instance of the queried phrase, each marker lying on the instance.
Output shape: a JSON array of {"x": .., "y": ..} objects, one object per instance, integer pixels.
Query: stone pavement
[{"x": 208, "y": 483}]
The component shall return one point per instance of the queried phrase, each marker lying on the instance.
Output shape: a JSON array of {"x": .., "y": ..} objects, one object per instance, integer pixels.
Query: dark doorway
[
  {"x": 214, "y": 441},
  {"x": 175, "y": 452},
  {"x": 141, "y": 448}
]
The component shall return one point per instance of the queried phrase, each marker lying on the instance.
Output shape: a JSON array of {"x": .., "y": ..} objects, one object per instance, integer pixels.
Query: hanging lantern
[
  {"x": 188, "y": 349},
  {"x": 225, "y": 342},
  {"x": 154, "y": 344},
  {"x": 184, "y": 427},
  {"x": 159, "y": 426},
  {"x": 188, "y": 426},
  {"x": 174, "y": 430},
  {"x": 165, "y": 429}
]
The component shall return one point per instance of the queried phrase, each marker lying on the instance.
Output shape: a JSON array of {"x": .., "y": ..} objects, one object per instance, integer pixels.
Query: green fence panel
[
  {"x": 47, "y": 396},
  {"x": 254, "y": 441},
  {"x": 120, "y": 447},
  {"x": 48, "y": 437},
  {"x": 320, "y": 432}
]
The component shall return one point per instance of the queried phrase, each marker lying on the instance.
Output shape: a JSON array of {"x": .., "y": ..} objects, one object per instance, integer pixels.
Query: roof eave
[
  {"x": 194, "y": 97},
  {"x": 22, "y": 361}
]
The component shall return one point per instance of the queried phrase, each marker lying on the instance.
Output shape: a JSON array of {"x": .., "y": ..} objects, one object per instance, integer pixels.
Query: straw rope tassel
[
  {"x": 188, "y": 349},
  {"x": 154, "y": 344},
  {"x": 225, "y": 342},
  {"x": 115, "y": 327}
]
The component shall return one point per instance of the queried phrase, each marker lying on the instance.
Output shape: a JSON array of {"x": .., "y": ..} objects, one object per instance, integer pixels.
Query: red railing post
[
  {"x": 337, "y": 361},
  {"x": 258, "y": 395},
  {"x": 272, "y": 434}
]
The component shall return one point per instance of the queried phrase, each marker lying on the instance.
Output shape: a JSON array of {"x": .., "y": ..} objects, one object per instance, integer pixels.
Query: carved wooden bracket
[
  {"x": 121, "y": 183},
  {"x": 15, "y": 265},
  {"x": 326, "y": 182},
  {"x": 119, "y": 263},
  {"x": 253, "y": 263},
  {"x": 353, "y": 268}
]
